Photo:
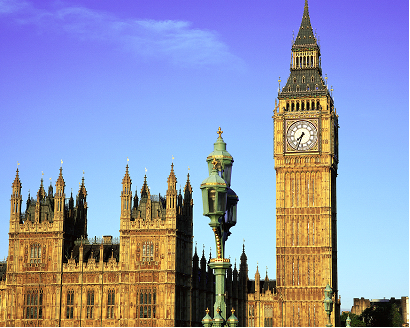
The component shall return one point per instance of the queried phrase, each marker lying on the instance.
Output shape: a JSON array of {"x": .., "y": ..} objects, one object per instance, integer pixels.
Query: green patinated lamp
[
  {"x": 328, "y": 303},
  {"x": 219, "y": 204},
  {"x": 348, "y": 321}
]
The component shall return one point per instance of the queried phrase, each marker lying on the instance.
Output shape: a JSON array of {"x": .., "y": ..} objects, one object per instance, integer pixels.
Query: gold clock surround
[{"x": 314, "y": 124}]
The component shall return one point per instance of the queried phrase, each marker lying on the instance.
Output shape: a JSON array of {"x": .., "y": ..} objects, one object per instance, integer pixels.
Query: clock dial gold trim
[{"x": 302, "y": 136}]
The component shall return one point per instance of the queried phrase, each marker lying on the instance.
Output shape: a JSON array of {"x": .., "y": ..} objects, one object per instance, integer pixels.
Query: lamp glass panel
[
  {"x": 211, "y": 200},
  {"x": 227, "y": 174},
  {"x": 221, "y": 201}
]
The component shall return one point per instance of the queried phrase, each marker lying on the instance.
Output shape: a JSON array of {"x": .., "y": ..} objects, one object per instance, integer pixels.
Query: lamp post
[
  {"x": 219, "y": 204},
  {"x": 348, "y": 320},
  {"x": 328, "y": 303}
]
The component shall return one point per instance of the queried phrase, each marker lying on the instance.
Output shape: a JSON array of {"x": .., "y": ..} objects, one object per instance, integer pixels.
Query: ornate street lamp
[
  {"x": 219, "y": 204},
  {"x": 348, "y": 320},
  {"x": 328, "y": 303}
]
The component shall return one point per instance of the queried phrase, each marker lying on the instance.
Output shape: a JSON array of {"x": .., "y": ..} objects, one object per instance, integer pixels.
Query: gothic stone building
[{"x": 55, "y": 276}]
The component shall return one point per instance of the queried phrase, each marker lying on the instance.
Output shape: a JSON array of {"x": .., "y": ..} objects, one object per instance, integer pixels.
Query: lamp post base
[{"x": 219, "y": 266}]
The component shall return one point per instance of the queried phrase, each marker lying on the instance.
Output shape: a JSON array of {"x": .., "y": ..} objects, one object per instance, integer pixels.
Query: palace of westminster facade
[{"x": 55, "y": 276}]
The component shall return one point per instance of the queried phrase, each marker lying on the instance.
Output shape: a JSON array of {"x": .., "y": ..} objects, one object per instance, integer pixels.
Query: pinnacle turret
[
  {"x": 172, "y": 180},
  {"x": 16, "y": 183},
  {"x": 145, "y": 193},
  {"x": 41, "y": 192}
]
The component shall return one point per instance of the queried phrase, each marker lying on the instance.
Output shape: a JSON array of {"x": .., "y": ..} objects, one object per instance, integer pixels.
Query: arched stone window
[
  {"x": 147, "y": 251},
  {"x": 35, "y": 253},
  {"x": 33, "y": 304},
  {"x": 90, "y": 304},
  {"x": 110, "y": 304},
  {"x": 70, "y": 304},
  {"x": 147, "y": 303}
]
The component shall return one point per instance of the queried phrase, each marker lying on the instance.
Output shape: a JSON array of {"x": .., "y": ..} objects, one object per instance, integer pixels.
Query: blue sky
[{"x": 95, "y": 82}]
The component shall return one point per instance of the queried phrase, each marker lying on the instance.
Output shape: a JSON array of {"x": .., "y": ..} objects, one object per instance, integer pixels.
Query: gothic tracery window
[
  {"x": 148, "y": 251},
  {"x": 33, "y": 304},
  {"x": 110, "y": 304},
  {"x": 90, "y": 304},
  {"x": 70, "y": 304},
  {"x": 35, "y": 253},
  {"x": 147, "y": 300}
]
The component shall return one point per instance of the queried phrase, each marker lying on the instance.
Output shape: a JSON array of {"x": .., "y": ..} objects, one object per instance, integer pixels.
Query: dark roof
[
  {"x": 299, "y": 80},
  {"x": 262, "y": 286},
  {"x": 305, "y": 37},
  {"x": 95, "y": 250}
]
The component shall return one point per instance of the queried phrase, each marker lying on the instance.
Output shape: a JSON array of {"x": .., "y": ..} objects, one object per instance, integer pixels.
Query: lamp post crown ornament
[{"x": 219, "y": 132}]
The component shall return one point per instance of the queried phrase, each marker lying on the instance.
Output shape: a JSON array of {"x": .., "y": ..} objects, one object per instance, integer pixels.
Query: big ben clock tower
[{"x": 306, "y": 159}]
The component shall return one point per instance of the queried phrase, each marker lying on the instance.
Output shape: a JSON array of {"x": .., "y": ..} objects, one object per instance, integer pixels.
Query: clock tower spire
[{"x": 306, "y": 160}]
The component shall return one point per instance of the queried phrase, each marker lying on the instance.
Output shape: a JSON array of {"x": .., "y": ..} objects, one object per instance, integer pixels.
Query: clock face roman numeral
[{"x": 302, "y": 135}]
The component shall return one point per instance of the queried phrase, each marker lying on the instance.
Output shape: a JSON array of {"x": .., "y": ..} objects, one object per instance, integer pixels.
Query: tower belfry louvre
[{"x": 306, "y": 159}]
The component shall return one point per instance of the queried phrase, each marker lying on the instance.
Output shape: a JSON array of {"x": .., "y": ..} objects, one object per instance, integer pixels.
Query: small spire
[
  {"x": 16, "y": 182},
  {"x": 172, "y": 180},
  {"x": 145, "y": 192},
  {"x": 305, "y": 35},
  {"x": 187, "y": 187}
]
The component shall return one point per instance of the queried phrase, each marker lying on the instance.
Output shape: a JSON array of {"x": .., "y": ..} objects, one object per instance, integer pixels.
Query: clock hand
[{"x": 300, "y": 139}]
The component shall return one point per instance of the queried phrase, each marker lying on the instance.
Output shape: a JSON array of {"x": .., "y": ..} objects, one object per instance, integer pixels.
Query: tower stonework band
[{"x": 55, "y": 275}]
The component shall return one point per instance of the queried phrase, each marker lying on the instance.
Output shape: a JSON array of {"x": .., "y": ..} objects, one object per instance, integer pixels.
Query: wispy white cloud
[{"x": 176, "y": 41}]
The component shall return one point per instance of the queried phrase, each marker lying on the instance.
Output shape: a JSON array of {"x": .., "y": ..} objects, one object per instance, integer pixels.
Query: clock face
[{"x": 302, "y": 135}]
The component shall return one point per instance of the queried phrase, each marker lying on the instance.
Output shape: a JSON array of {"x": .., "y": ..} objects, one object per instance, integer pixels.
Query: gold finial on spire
[
  {"x": 18, "y": 164},
  {"x": 128, "y": 160},
  {"x": 42, "y": 174},
  {"x": 61, "y": 162},
  {"x": 207, "y": 310},
  {"x": 279, "y": 83},
  {"x": 233, "y": 311},
  {"x": 219, "y": 132},
  {"x": 214, "y": 162},
  {"x": 146, "y": 170},
  {"x": 173, "y": 158}
]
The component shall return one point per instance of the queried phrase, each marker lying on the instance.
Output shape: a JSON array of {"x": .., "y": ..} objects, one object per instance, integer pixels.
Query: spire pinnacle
[
  {"x": 126, "y": 178},
  {"x": 305, "y": 35},
  {"x": 16, "y": 182},
  {"x": 172, "y": 180}
]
